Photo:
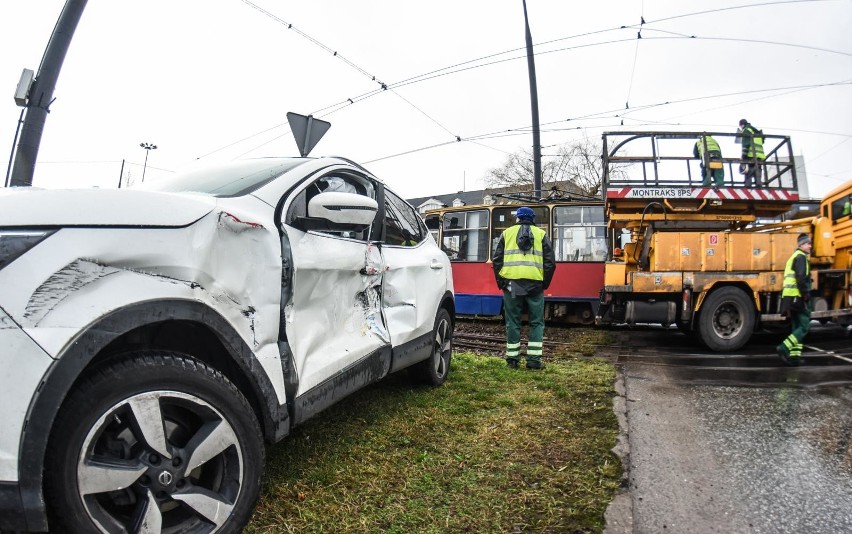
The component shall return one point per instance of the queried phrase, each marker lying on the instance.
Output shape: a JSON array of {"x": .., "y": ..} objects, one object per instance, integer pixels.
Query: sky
[{"x": 212, "y": 80}]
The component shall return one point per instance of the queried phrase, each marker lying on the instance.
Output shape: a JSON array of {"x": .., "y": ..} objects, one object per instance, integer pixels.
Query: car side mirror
[{"x": 338, "y": 211}]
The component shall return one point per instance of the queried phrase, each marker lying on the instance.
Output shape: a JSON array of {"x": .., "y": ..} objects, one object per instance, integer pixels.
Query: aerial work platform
[{"x": 656, "y": 175}]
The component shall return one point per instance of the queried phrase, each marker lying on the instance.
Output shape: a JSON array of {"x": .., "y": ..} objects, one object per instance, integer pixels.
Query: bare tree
[
  {"x": 580, "y": 163},
  {"x": 577, "y": 164}
]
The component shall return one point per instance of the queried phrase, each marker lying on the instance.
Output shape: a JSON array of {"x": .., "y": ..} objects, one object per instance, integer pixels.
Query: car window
[
  {"x": 343, "y": 182},
  {"x": 842, "y": 207},
  {"x": 403, "y": 226}
]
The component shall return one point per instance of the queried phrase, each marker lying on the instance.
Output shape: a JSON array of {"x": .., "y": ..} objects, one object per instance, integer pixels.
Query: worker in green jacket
[
  {"x": 524, "y": 264},
  {"x": 795, "y": 301},
  {"x": 707, "y": 150},
  {"x": 753, "y": 157}
]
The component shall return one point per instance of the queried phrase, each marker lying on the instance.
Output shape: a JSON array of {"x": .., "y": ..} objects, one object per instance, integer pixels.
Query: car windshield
[{"x": 231, "y": 180}]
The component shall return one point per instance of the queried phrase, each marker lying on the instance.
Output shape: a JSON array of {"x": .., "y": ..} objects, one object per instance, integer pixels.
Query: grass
[{"x": 493, "y": 450}]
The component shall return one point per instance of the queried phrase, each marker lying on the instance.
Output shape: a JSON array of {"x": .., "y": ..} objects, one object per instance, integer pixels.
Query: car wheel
[
  {"x": 434, "y": 369},
  {"x": 726, "y": 320},
  {"x": 155, "y": 442}
]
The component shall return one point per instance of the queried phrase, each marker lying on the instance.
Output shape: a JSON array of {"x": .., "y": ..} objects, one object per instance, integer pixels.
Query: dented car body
[{"x": 150, "y": 338}]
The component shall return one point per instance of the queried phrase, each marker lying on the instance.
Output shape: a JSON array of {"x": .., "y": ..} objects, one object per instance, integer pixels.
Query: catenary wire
[{"x": 447, "y": 70}]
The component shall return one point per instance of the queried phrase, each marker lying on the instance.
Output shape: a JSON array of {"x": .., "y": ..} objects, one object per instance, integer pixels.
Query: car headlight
[{"x": 13, "y": 243}]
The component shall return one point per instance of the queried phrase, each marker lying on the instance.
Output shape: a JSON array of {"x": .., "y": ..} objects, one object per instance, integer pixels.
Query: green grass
[{"x": 493, "y": 450}]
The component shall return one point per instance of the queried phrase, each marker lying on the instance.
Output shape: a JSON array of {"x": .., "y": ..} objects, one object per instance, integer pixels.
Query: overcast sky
[{"x": 212, "y": 80}]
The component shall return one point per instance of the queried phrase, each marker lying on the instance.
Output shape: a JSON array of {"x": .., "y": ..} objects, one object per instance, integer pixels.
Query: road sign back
[{"x": 307, "y": 131}]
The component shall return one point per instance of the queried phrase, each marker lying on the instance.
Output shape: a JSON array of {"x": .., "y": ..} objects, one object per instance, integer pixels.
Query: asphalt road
[{"x": 733, "y": 443}]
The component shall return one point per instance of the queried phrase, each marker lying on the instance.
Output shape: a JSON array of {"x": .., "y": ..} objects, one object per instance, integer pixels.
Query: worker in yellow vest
[
  {"x": 753, "y": 157},
  {"x": 524, "y": 264},
  {"x": 709, "y": 153},
  {"x": 795, "y": 301}
]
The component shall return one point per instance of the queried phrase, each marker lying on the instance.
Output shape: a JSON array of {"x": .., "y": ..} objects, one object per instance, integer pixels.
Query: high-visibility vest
[
  {"x": 711, "y": 145},
  {"x": 755, "y": 148},
  {"x": 519, "y": 264},
  {"x": 791, "y": 288}
]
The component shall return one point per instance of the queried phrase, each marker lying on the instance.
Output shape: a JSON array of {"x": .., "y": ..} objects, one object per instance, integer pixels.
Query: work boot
[
  {"x": 512, "y": 363},
  {"x": 786, "y": 358},
  {"x": 535, "y": 364}
]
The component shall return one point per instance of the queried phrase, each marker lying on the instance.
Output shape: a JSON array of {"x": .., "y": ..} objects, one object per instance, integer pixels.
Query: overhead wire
[
  {"x": 635, "y": 56},
  {"x": 454, "y": 69},
  {"x": 382, "y": 85},
  {"x": 524, "y": 130},
  {"x": 316, "y": 42}
]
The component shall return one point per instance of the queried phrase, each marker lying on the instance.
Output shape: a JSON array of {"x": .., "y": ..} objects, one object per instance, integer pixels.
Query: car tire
[
  {"x": 154, "y": 442},
  {"x": 726, "y": 320},
  {"x": 434, "y": 369}
]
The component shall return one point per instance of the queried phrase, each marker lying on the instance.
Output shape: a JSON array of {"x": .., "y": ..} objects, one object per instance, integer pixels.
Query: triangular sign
[{"x": 307, "y": 131}]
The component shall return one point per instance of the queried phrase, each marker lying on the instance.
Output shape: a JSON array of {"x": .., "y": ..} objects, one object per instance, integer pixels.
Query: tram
[{"x": 577, "y": 229}]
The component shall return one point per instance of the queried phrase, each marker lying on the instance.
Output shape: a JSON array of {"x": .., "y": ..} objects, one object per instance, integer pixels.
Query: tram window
[
  {"x": 433, "y": 224},
  {"x": 466, "y": 235},
  {"x": 579, "y": 233},
  {"x": 504, "y": 217}
]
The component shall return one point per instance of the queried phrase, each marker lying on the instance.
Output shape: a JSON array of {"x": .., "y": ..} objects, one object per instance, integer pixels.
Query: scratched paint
[{"x": 335, "y": 316}]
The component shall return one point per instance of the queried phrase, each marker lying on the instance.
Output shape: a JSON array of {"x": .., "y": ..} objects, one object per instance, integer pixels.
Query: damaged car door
[
  {"x": 332, "y": 315},
  {"x": 414, "y": 280}
]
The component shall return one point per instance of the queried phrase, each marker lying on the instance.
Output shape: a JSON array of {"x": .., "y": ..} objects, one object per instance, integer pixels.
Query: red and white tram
[{"x": 577, "y": 229}]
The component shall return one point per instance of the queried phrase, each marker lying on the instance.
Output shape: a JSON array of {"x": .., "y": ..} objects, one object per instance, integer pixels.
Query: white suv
[{"x": 152, "y": 338}]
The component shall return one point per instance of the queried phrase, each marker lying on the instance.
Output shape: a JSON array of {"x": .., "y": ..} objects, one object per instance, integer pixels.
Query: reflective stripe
[
  {"x": 793, "y": 345},
  {"x": 534, "y": 348},
  {"x": 534, "y": 252},
  {"x": 521, "y": 263},
  {"x": 510, "y": 346}
]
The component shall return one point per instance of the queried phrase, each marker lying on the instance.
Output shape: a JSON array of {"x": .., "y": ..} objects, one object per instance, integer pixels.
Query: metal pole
[
  {"x": 121, "y": 174},
  {"x": 41, "y": 93},
  {"x": 12, "y": 153},
  {"x": 145, "y": 167},
  {"x": 534, "y": 104}
]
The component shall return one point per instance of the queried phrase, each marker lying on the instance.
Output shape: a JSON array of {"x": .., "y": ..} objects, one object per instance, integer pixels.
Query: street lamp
[{"x": 148, "y": 147}]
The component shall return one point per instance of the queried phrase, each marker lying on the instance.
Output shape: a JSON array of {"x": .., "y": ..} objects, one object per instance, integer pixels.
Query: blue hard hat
[{"x": 525, "y": 213}]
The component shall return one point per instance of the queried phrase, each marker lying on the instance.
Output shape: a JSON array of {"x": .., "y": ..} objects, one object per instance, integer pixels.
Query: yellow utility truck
[{"x": 710, "y": 258}]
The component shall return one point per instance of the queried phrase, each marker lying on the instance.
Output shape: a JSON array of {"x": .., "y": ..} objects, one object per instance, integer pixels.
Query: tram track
[{"x": 660, "y": 347}]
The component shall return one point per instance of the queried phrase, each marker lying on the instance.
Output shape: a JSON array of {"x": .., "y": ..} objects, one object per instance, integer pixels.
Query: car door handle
[{"x": 437, "y": 264}]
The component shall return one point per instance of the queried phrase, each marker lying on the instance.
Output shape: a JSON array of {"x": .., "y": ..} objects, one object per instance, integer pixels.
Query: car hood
[{"x": 28, "y": 207}]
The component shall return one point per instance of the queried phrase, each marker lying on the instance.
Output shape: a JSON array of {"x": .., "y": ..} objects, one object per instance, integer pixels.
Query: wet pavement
[{"x": 733, "y": 443}]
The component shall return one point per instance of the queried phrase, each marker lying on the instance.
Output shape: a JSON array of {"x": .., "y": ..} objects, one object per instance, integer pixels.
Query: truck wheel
[
  {"x": 434, "y": 369},
  {"x": 726, "y": 320},
  {"x": 156, "y": 442}
]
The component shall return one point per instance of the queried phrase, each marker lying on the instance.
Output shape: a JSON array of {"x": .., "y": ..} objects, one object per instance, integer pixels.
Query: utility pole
[
  {"x": 121, "y": 174},
  {"x": 534, "y": 104},
  {"x": 40, "y": 95},
  {"x": 148, "y": 148}
]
